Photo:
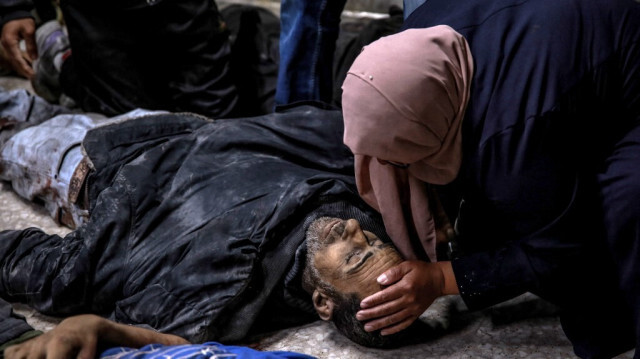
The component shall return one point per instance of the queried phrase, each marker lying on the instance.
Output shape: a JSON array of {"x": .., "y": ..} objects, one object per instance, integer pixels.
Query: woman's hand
[
  {"x": 12, "y": 33},
  {"x": 412, "y": 287},
  {"x": 78, "y": 337}
]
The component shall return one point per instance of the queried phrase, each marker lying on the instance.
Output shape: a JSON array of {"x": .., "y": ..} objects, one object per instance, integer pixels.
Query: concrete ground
[{"x": 526, "y": 327}]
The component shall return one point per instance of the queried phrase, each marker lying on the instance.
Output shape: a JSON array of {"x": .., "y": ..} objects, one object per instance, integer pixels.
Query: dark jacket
[{"x": 195, "y": 224}]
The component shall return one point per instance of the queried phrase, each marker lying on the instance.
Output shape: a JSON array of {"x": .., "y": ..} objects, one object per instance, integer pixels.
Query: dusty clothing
[
  {"x": 550, "y": 172},
  {"x": 196, "y": 226},
  {"x": 45, "y": 161},
  {"x": 20, "y": 109}
]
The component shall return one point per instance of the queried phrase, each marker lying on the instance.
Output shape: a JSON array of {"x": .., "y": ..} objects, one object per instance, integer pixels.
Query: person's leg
[
  {"x": 101, "y": 74},
  {"x": 309, "y": 30},
  {"x": 194, "y": 46},
  {"x": 45, "y": 161},
  {"x": 20, "y": 109},
  {"x": 619, "y": 179},
  {"x": 620, "y": 191},
  {"x": 176, "y": 59}
]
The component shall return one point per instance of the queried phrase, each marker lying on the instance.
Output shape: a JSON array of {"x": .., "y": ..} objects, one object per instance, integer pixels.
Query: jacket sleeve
[
  {"x": 541, "y": 262},
  {"x": 12, "y": 326},
  {"x": 43, "y": 270},
  {"x": 14, "y": 9},
  {"x": 68, "y": 275}
]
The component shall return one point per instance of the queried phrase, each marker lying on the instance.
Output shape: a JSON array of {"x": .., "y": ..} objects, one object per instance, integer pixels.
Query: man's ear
[{"x": 323, "y": 304}]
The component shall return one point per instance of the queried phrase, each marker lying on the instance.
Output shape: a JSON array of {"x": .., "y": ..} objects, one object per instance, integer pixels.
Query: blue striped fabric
[{"x": 209, "y": 350}]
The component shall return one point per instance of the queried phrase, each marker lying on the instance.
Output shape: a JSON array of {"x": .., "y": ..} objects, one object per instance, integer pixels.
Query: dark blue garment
[
  {"x": 308, "y": 33},
  {"x": 550, "y": 144},
  {"x": 309, "y": 30},
  {"x": 208, "y": 350}
]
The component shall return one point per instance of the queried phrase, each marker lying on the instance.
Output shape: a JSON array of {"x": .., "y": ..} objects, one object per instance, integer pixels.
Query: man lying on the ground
[
  {"x": 342, "y": 263},
  {"x": 196, "y": 227}
]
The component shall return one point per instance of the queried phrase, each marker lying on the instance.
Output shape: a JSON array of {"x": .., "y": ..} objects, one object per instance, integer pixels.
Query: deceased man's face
[{"x": 349, "y": 258}]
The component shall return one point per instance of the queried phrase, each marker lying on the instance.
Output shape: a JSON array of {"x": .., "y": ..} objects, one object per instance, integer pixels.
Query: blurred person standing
[{"x": 154, "y": 54}]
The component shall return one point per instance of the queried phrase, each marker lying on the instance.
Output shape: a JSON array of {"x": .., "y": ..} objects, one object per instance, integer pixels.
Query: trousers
[{"x": 45, "y": 160}]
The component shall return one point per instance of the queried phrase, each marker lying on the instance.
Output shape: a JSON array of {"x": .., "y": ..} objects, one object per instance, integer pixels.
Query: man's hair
[{"x": 346, "y": 304}]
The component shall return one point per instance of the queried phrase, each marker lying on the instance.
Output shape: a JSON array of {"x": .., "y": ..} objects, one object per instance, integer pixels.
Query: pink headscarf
[{"x": 403, "y": 101}]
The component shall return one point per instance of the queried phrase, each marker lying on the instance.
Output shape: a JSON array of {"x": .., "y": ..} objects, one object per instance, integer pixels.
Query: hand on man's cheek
[{"x": 411, "y": 288}]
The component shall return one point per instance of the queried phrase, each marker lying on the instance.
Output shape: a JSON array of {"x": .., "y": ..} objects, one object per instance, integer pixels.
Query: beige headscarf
[{"x": 403, "y": 101}]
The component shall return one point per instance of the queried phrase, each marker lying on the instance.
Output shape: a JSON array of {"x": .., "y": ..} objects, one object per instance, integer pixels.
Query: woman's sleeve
[{"x": 537, "y": 263}]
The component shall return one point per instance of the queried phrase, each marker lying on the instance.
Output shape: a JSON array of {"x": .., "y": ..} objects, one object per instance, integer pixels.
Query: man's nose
[{"x": 353, "y": 231}]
